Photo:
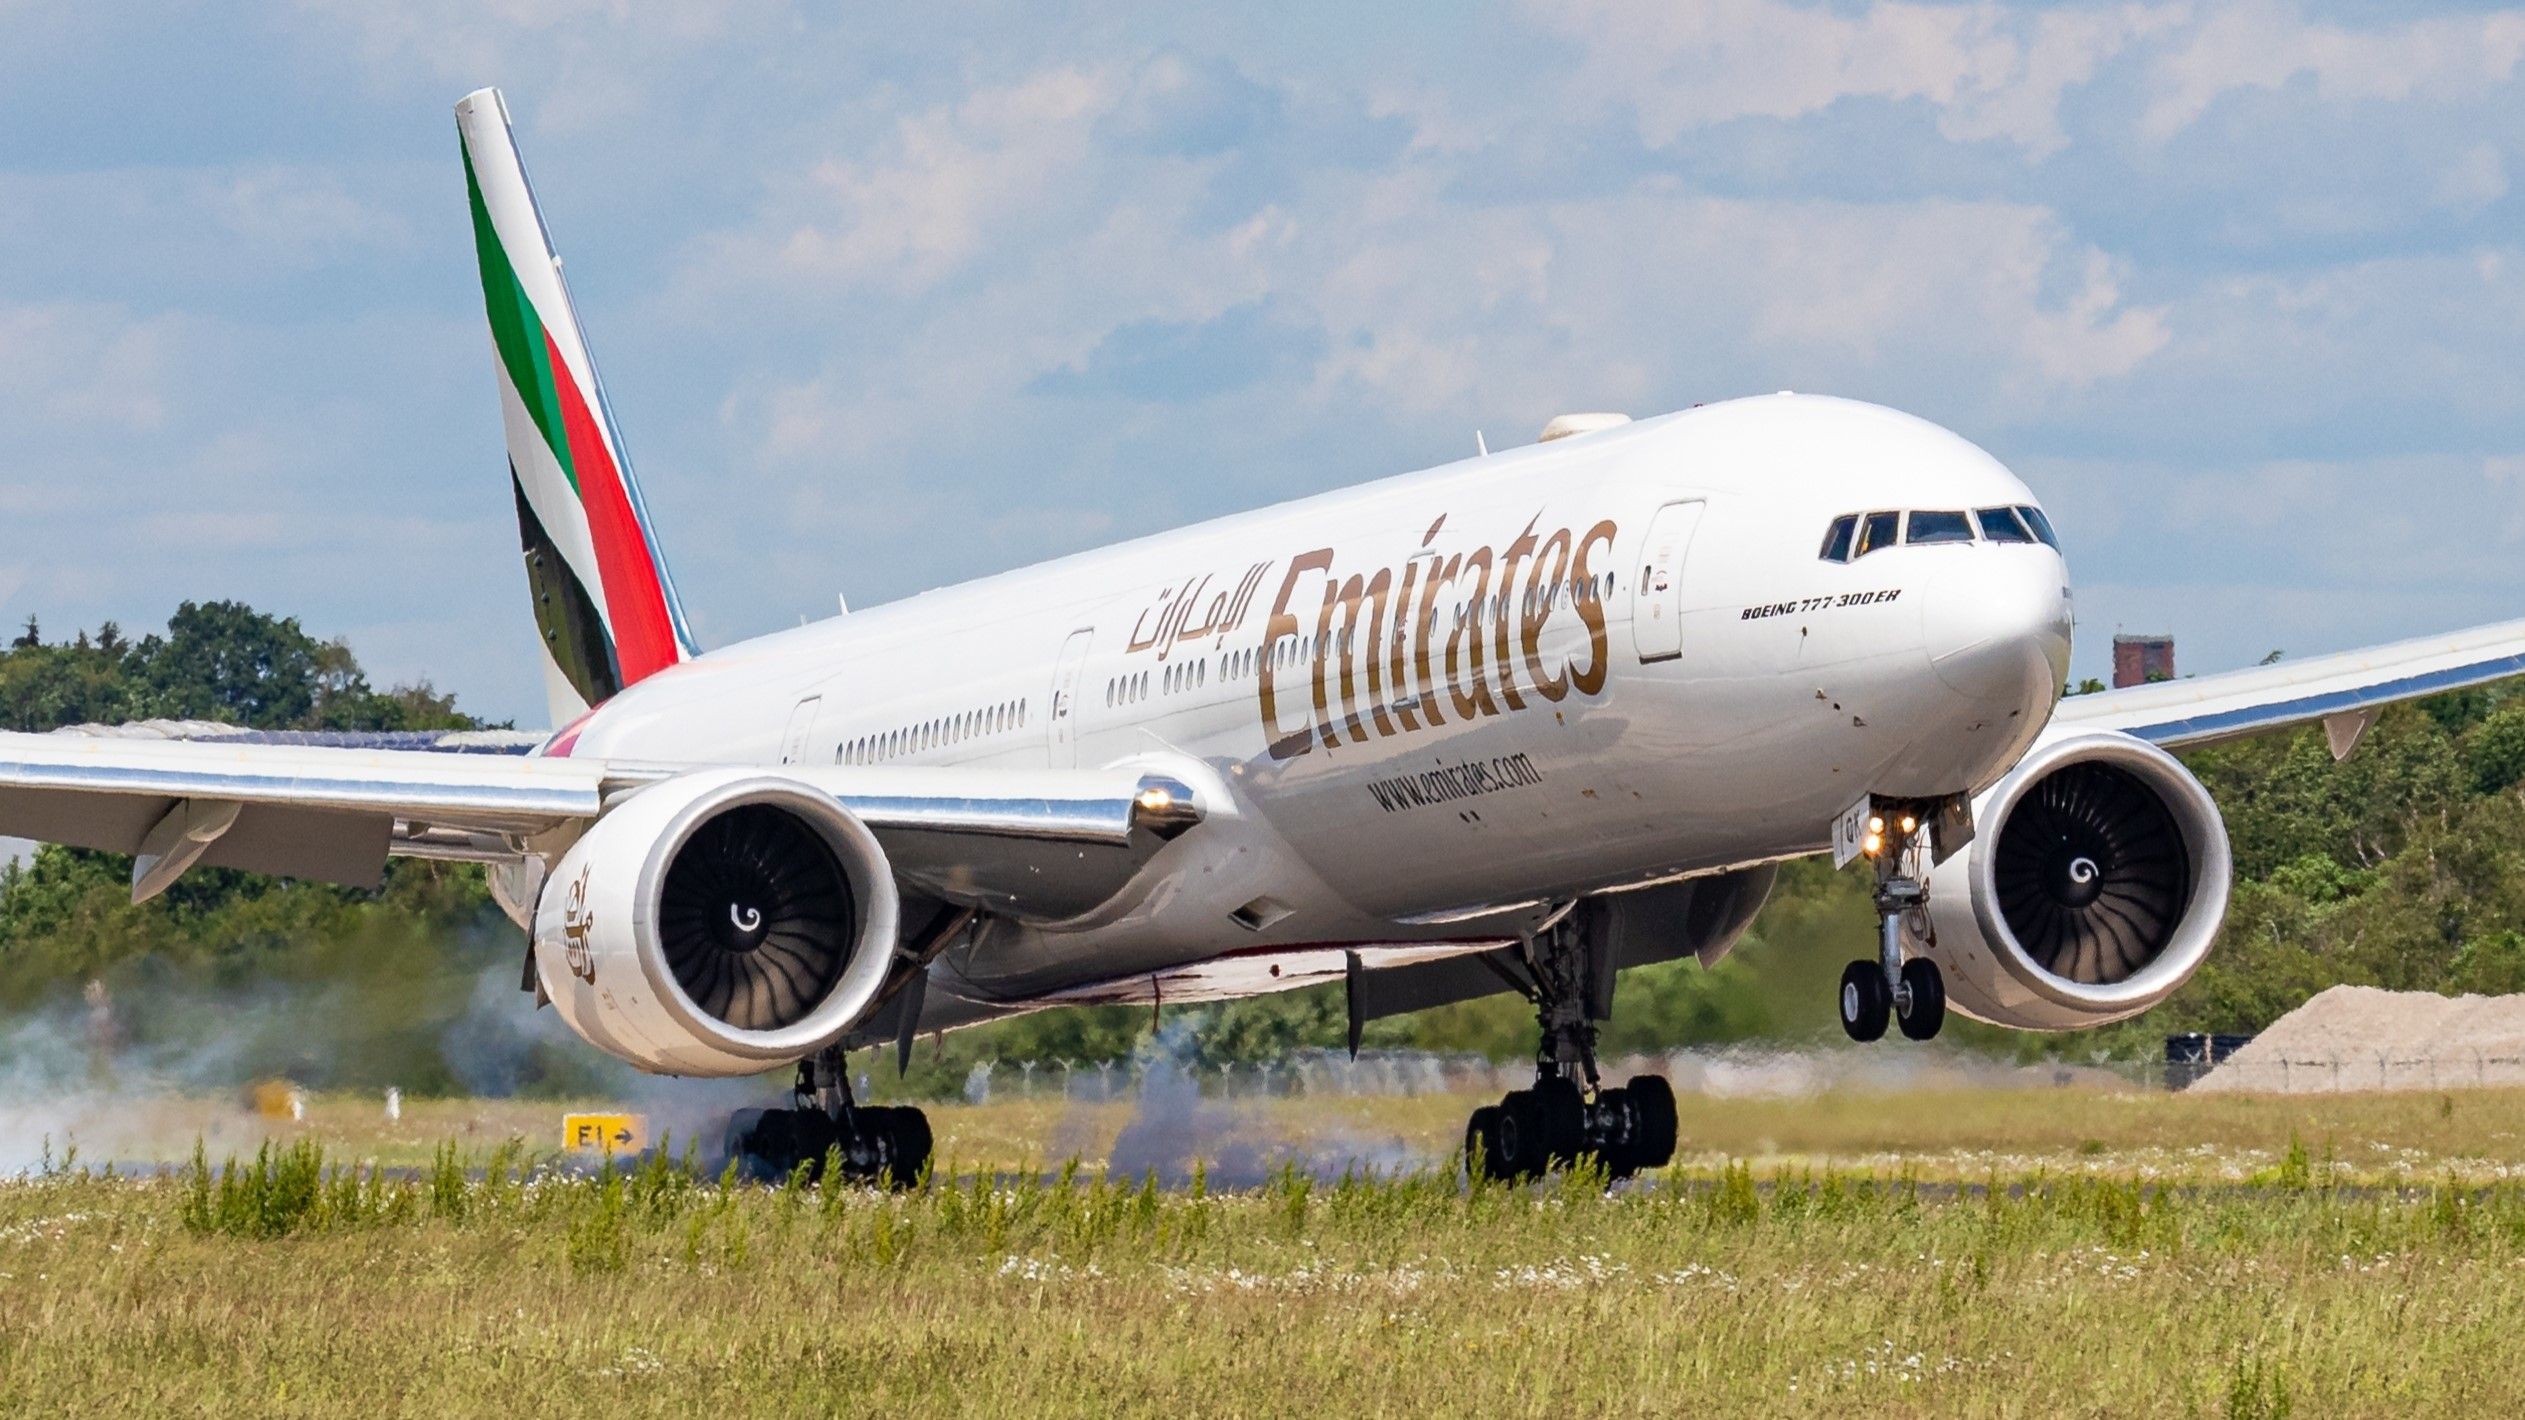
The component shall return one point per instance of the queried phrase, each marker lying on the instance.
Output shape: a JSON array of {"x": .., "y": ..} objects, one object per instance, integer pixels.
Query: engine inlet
[{"x": 755, "y": 918}]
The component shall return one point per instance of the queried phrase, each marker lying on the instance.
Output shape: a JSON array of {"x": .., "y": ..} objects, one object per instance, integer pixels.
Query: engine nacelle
[
  {"x": 724, "y": 922},
  {"x": 2096, "y": 879}
]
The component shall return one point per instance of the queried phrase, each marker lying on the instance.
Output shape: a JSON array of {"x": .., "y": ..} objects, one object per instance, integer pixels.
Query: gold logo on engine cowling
[{"x": 576, "y": 925}]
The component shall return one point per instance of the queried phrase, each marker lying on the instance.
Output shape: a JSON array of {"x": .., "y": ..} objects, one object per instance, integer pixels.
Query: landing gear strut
[
  {"x": 1568, "y": 1114},
  {"x": 1890, "y": 990},
  {"x": 877, "y": 1144}
]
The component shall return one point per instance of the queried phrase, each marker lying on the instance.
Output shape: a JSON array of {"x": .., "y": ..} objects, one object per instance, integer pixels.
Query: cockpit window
[
  {"x": 1939, "y": 525},
  {"x": 1877, "y": 531},
  {"x": 2001, "y": 525},
  {"x": 2041, "y": 525},
  {"x": 1837, "y": 538}
]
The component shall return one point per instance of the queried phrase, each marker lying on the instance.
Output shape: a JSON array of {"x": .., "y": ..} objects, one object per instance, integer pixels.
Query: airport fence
[{"x": 1402, "y": 1073}]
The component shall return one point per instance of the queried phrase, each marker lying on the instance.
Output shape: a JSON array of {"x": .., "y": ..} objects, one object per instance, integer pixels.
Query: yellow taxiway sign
[{"x": 605, "y": 1133}]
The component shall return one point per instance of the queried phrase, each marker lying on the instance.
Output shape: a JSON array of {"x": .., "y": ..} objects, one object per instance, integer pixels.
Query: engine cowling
[
  {"x": 721, "y": 923},
  {"x": 2096, "y": 880}
]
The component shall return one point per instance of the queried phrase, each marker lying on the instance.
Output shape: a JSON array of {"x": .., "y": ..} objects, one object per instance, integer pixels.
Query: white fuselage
[{"x": 1445, "y": 697}]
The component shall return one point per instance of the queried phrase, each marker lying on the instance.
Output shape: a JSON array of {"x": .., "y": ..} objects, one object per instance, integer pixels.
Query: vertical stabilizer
[{"x": 605, "y": 608}]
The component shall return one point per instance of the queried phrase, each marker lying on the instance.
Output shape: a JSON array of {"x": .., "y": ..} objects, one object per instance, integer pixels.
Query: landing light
[
  {"x": 1874, "y": 844},
  {"x": 1155, "y": 799},
  {"x": 1910, "y": 823},
  {"x": 1875, "y": 825}
]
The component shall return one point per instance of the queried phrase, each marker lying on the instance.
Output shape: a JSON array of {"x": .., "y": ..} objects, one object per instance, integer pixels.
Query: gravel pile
[{"x": 2365, "y": 1038}]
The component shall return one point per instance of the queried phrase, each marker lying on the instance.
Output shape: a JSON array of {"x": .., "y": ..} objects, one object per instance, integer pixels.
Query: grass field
[
  {"x": 1938, "y": 1134},
  {"x": 2110, "y": 1254}
]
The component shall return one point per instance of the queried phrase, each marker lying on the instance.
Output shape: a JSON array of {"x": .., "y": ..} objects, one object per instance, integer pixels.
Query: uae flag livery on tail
[{"x": 604, "y": 606}]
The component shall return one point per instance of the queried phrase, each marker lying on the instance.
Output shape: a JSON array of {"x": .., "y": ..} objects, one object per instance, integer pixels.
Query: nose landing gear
[
  {"x": 1531, "y": 1132},
  {"x": 888, "y": 1146},
  {"x": 1891, "y": 990}
]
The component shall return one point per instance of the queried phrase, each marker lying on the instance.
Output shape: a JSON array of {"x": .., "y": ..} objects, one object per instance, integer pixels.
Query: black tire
[
  {"x": 1481, "y": 1145},
  {"x": 1652, "y": 1102},
  {"x": 1866, "y": 1006},
  {"x": 1564, "y": 1119},
  {"x": 1525, "y": 1135},
  {"x": 907, "y": 1130},
  {"x": 1924, "y": 1009},
  {"x": 769, "y": 1144},
  {"x": 743, "y": 1142}
]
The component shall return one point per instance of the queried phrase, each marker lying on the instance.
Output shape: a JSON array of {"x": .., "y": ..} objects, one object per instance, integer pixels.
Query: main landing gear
[
  {"x": 1889, "y": 989},
  {"x": 1569, "y": 977},
  {"x": 878, "y": 1144}
]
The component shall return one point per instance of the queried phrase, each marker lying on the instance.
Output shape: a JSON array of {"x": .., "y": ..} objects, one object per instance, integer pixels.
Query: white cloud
[
  {"x": 1992, "y": 72},
  {"x": 2265, "y": 44},
  {"x": 1631, "y": 297},
  {"x": 1430, "y": 309},
  {"x": 91, "y": 365},
  {"x": 958, "y": 176},
  {"x": 2476, "y": 178}
]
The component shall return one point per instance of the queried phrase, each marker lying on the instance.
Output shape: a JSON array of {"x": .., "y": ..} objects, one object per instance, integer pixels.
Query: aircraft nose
[{"x": 1996, "y": 625}]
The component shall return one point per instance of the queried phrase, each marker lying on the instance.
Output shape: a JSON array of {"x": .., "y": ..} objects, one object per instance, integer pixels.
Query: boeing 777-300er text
[{"x": 1512, "y": 724}]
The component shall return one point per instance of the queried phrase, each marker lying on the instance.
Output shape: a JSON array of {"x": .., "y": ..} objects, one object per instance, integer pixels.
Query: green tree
[{"x": 226, "y": 661}]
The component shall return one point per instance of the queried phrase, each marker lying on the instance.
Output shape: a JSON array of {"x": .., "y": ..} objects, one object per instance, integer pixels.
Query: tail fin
[{"x": 603, "y": 601}]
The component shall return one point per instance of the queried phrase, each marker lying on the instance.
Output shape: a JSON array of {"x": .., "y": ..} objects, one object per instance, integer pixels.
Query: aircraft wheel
[
  {"x": 769, "y": 1144},
  {"x": 1564, "y": 1120},
  {"x": 1924, "y": 999},
  {"x": 1525, "y": 1135},
  {"x": 1866, "y": 1006},
  {"x": 906, "y": 1132},
  {"x": 1652, "y": 1103},
  {"x": 1482, "y": 1154}
]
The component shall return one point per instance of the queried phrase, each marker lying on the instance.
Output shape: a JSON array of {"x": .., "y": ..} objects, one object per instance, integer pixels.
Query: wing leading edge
[
  {"x": 987, "y": 838},
  {"x": 2344, "y": 691}
]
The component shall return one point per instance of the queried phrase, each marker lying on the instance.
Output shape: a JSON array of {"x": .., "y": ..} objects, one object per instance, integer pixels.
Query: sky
[{"x": 887, "y": 298}]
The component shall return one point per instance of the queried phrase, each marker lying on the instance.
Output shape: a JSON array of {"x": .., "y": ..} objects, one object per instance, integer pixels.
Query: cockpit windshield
[
  {"x": 1877, "y": 531},
  {"x": 1854, "y": 535},
  {"x": 2041, "y": 525},
  {"x": 2001, "y": 525},
  {"x": 1837, "y": 537},
  {"x": 1939, "y": 525}
]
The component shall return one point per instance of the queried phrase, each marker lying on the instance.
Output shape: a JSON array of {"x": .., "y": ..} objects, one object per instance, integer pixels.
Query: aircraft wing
[
  {"x": 1031, "y": 842},
  {"x": 2344, "y": 691}
]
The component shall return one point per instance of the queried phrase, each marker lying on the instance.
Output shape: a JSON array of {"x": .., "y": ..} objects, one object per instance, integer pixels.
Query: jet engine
[
  {"x": 2096, "y": 879},
  {"x": 723, "y": 922}
]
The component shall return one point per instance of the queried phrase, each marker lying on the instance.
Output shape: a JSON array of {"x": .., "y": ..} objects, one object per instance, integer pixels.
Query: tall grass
[
  {"x": 606, "y": 1217},
  {"x": 289, "y": 1280}
]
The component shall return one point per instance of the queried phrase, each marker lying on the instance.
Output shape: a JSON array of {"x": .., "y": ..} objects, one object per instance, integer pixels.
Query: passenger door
[
  {"x": 1657, "y": 596},
  {"x": 1064, "y": 717},
  {"x": 793, "y": 745}
]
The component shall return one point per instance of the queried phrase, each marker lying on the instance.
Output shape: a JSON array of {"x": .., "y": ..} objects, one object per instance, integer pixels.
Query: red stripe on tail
[{"x": 635, "y": 600}]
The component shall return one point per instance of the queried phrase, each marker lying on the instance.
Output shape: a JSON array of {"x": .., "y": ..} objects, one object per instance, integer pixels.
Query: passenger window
[
  {"x": 1877, "y": 532},
  {"x": 1838, "y": 537},
  {"x": 2041, "y": 525},
  {"x": 2001, "y": 525},
  {"x": 1938, "y": 525}
]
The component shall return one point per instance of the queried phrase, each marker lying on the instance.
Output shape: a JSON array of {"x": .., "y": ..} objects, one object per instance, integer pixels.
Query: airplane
[{"x": 1513, "y": 724}]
